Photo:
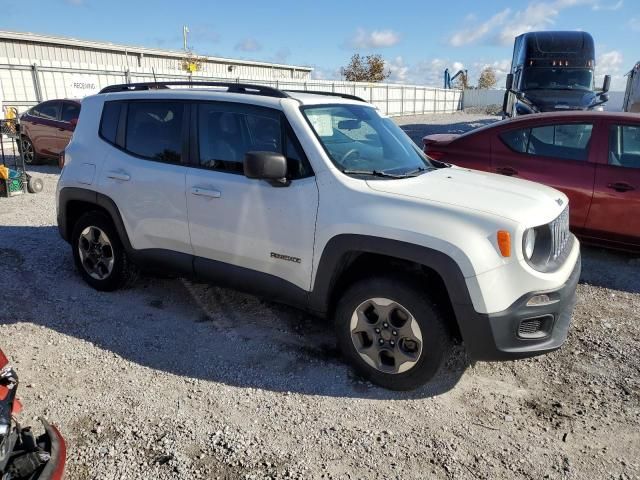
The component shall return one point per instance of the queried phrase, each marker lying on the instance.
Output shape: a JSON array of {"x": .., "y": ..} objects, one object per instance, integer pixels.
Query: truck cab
[
  {"x": 632, "y": 93},
  {"x": 552, "y": 71}
]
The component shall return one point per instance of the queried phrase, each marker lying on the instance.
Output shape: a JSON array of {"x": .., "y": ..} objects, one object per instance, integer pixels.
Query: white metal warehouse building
[{"x": 37, "y": 67}]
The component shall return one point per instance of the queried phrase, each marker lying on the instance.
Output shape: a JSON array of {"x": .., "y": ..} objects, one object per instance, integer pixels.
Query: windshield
[
  {"x": 360, "y": 141},
  {"x": 558, "y": 79}
]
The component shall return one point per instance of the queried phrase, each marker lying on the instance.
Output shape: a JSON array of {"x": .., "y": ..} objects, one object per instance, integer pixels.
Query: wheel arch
[
  {"x": 347, "y": 258},
  {"x": 73, "y": 202}
]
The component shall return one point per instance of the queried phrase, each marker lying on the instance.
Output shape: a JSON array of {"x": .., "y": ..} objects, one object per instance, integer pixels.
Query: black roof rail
[
  {"x": 330, "y": 94},
  {"x": 232, "y": 87}
]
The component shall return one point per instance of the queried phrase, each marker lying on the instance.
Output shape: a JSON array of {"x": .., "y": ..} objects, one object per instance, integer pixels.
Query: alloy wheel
[
  {"x": 386, "y": 335},
  {"x": 96, "y": 252},
  {"x": 27, "y": 152}
]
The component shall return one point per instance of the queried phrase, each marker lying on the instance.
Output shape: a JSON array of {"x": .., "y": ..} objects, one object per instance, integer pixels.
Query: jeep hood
[{"x": 515, "y": 199}]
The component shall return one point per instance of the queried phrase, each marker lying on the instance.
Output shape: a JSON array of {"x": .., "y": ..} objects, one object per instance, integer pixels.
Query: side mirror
[
  {"x": 74, "y": 122},
  {"x": 266, "y": 166},
  {"x": 509, "y": 82},
  {"x": 606, "y": 84}
]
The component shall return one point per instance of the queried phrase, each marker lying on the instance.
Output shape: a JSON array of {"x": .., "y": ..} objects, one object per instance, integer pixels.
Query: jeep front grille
[{"x": 559, "y": 234}]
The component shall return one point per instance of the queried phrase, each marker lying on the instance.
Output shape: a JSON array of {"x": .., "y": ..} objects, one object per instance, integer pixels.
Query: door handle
[
  {"x": 119, "y": 176},
  {"x": 205, "y": 192},
  {"x": 620, "y": 187},
  {"x": 507, "y": 171},
  {"x": 60, "y": 129}
]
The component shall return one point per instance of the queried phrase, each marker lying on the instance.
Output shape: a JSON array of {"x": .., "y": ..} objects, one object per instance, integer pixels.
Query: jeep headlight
[{"x": 529, "y": 243}]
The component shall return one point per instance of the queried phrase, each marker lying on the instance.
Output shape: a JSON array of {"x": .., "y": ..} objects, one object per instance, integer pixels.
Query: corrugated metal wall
[
  {"x": 25, "y": 85},
  {"x": 118, "y": 57}
]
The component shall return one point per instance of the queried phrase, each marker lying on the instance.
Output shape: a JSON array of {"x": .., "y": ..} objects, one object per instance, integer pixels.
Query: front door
[
  {"x": 557, "y": 155},
  {"x": 247, "y": 223},
  {"x": 615, "y": 211}
]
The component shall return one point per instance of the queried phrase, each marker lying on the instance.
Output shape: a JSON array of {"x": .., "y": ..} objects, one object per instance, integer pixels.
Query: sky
[{"x": 417, "y": 39}]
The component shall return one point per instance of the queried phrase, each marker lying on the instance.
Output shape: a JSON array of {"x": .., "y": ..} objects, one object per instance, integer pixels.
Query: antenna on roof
[{"x": 155, "y": 80}]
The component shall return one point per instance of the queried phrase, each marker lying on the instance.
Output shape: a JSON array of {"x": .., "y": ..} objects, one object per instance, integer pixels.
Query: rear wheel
[
  {"x": 391, "y": 332},
  {"x": 98, "y": 252}
]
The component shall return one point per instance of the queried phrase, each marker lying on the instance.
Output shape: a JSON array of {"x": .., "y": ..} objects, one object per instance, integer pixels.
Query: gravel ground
[{"x": 175, "y": 380}]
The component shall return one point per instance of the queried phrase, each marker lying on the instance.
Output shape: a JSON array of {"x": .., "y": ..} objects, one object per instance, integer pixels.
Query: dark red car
[
  {"x": 47, "y": 129},
  {"x": 593, "y": 157}
]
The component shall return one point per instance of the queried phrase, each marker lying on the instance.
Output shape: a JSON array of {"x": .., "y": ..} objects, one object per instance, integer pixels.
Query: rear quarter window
[
  {"x": 516, "y": 140},
  {"x": 109, "y": 121}
]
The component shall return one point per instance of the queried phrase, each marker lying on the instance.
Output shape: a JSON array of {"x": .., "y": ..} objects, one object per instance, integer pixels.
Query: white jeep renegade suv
[{"x": 320, "y": 202}]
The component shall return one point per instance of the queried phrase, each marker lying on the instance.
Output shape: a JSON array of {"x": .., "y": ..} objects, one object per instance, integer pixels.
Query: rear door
[
  {"x": 559, "y": 155},
  {"x": 615, "y": 211},
  {"x": 235, "y": 221},
  {"x": 69, "y": 112},
  {"x": 44, "y": 126},
  {"x": 144, "y": 174}
]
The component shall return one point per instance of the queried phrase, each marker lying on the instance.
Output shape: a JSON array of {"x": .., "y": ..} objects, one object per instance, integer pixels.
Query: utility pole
[{"x": 185, "y": 32}]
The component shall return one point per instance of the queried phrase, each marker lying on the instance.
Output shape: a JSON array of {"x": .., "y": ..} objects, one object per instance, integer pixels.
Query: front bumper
[{"x": 506, "y": 335}]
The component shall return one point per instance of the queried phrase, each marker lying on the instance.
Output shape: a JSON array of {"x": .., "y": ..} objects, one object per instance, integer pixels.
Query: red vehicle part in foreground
[
  {"x": 22, "y": 455},
  {"x": 593, "y": 157}
]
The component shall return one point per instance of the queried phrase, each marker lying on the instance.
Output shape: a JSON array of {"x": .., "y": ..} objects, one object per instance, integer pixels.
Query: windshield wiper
[
  {"x": 417, "y": 171},
  {"x": 374, "y": 173}
]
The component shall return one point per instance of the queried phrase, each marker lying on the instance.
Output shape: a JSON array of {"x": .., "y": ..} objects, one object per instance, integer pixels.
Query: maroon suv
[{"x": 47, "y": 129}]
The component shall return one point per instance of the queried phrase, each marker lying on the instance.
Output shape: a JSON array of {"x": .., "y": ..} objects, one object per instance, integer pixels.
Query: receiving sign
[{"x": 83, "y": 85}]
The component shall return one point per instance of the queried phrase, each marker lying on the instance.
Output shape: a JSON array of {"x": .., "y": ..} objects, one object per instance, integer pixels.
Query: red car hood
[{"x": 440, "y": 138}]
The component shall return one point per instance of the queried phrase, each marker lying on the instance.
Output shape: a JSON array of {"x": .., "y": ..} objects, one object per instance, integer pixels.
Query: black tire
[
  {"x": 29, "y": 152},
  {"x": 122, "y": 272},
  {"x": 436, "y": 339},
  {"x": 35, "y": 185}
]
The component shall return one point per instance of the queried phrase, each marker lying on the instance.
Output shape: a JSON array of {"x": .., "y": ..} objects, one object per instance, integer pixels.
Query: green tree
[{"x": 365, "y": 69}]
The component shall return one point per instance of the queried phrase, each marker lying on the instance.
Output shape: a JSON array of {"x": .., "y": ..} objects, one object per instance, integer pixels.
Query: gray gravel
[{"x": 171, "y": 379}]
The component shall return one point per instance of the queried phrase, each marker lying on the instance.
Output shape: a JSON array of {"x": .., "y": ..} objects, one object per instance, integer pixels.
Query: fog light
[{"x": 539, "y": 300}]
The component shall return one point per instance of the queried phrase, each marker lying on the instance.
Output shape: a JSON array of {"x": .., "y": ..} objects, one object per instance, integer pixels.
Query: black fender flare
[
  {"x": 340, "y": 246},
  {"x": 69, "y": 194}
]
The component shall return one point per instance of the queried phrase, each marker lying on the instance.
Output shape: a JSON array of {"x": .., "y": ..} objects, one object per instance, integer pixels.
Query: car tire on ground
[
  {"x": 98, "y": 253},
  {"x": 29, "y": 152},
  {"x": 35, "y": 185},
  {"x": 391, "y": 332}
]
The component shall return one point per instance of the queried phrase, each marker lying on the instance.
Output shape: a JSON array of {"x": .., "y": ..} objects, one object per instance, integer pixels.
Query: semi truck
[
  {"x": 553, "y": 71},
  {"x": 632, "y": 93}
]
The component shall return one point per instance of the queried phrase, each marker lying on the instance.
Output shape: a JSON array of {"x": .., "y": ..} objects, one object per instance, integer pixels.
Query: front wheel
[{"x": 391, "y": 332}]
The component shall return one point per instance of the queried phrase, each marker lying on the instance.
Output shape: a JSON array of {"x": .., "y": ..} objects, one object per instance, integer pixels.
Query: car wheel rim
[
  {"x": 386, "y": 335},
  {"x": 96, "y": 253},
  {"x": 27, "y": 151}
]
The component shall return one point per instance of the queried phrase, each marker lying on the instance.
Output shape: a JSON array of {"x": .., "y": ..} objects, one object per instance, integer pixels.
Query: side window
[
  {"x": 569, "y": 141},
  {"x": 70, "y": 111},
  {"x": 47, "y": 110},
  {"x": 226, "y": 132},
  {"x": 154, "y": 130},
  {"x": 109, "y": 121},
  {"x": 516, "y": 140},
  {"x": 624, "y": 146}
]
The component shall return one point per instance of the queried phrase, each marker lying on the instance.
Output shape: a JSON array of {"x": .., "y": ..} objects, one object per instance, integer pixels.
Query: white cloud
[
  {"x": 364, "y": 39},
  {"x": 477, "y": 32},
  {"x": 608, "y": 6},
  {"x": 504, "y": 26},
  {"x": 611, "y": 63},
  {"x": 248, "y": 45}
]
